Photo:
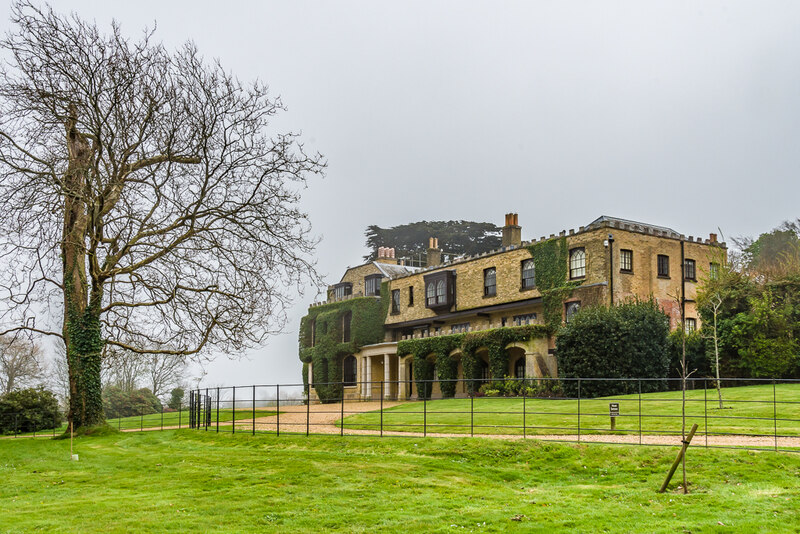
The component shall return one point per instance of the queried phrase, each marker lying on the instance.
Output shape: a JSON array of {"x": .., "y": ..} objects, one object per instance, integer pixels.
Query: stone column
[
  {"x": 532, "y": 369},
  {"x": 387, "y": 377},
  {"x": 401, "y": 378},
  {"x": 369, "y": 378},
  {"x": 362, "y": 376}
]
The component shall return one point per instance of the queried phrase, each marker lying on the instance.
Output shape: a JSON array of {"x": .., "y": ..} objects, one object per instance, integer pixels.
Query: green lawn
[
  {"x": 173, "y": 419},
  {"x": 187, "y": 480},
  {"x": 660, "y": 414}
]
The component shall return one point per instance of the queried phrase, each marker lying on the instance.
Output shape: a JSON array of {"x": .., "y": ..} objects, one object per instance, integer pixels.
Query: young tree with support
[{"x": 145, "y": 199}]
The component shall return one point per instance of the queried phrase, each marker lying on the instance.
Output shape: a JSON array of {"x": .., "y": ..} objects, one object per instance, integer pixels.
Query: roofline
[{"x": 619, "y": 224}]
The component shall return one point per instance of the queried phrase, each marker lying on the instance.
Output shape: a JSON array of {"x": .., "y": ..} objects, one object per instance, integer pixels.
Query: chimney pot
[
  {"x": 712, "y": 238},
  {"x": 512, "y": 233}
]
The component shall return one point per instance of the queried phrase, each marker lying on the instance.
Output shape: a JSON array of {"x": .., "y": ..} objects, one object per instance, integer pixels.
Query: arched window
[
  {"x": 528, "y": 274},
  {"x": 489, "y": 282},
  {"x": 349, "y": 368},
  {"x": 519, "y": 367},
  {"x": 440, "y": 292},
  {"x": 430, "y": 294},
  {"x": 577, "y": 263},
  {"x": 571, "y": 308}
]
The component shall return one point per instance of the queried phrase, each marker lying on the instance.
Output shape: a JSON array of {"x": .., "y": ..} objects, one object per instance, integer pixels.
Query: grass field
[
  {"x": 660, "y": 414},
  {"x": 170, "y": 419},
  {"x": 195, "y": 481}
]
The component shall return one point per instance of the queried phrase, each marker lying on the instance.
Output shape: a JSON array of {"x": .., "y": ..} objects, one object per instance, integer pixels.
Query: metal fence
[
  {"x": 755, "y": 414},
  {"x": 33, "y": 423}
]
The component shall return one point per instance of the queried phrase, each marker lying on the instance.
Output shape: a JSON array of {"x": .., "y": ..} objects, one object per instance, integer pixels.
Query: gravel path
[{"x": 322, "y": 419}]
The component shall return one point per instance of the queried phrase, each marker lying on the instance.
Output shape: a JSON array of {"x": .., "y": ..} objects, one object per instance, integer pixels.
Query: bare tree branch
[{"x": 145, "y": 186}]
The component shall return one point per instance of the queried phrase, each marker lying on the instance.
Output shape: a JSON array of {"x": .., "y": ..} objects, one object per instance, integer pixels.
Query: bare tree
[
  {"x": 715, "y": 303},
  {"x": 58, "y": 377},
  {"x": 165, "y": 372},
  {"x": 144, "y": 199},
  {"x": 21, "y": 363},
  {"x": 123, "y": 368}
]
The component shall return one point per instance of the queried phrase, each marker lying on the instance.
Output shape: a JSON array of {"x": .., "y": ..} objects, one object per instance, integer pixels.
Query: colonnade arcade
[{"x": 379, "y": 371}]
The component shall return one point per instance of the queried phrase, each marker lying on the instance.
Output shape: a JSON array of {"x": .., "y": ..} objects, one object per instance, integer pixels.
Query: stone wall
[{"x": 642, "y": 282}]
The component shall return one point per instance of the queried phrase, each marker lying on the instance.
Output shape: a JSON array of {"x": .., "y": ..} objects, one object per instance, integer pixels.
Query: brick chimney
[
  {"x": 712, "y": 238},
  {"x": 386, "y": 255},
  {"x": 434, "y": 253},
  {"x": 512, "y": 231}
]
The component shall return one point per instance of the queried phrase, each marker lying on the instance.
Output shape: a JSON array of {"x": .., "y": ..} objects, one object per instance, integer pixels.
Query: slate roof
[{"x": 640, "y": 226}]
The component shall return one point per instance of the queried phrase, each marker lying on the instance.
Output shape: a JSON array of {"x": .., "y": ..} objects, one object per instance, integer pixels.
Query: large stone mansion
[{"x": 362, "y": 342}]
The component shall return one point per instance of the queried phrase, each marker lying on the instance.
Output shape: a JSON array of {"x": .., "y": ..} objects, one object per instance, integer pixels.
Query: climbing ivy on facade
[{"x": 322, "y": 339}]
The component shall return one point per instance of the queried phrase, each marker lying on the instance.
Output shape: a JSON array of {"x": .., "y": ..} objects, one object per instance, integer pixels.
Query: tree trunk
[{"x": 81, "y": 314}]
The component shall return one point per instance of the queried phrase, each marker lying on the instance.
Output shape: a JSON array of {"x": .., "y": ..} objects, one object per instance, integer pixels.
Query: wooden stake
[{"x": 678, "y": 460}]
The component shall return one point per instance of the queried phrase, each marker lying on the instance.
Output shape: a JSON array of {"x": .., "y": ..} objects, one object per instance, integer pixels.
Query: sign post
[{"x": 613, "y": 411}]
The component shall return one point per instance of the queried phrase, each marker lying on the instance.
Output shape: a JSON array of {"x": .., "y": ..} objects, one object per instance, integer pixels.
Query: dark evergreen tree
[{"x": 455, "y": 237}]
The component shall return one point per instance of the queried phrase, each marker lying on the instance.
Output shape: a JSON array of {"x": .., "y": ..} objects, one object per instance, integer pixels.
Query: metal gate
[{"x": 199, "y": 410}]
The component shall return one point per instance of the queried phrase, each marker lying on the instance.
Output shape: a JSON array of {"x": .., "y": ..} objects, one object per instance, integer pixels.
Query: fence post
[
  {"x": 16, "y": 424},
  {"x": 579, "y": 410},
  {"x": 640, "y": 411},
  {"x": 217, "y": 410},
  {"x": 180, "y": 408},
  {"x": 278, "y": 409},
  {"x": 341, "y": 421},
  {"x": 34, "y": 427},
  {"x": 424, "y": 410},
  {"x": 254, "y": 409},
  {"x": 233, "y": 412},
  {"x": 775, "y": 413},
  {"x": 524, "y": 398},
  {"x": 381, "y": 409},
  {"x": 705, "y": 409},
  {"x": 141, "y": 420},
  {"x": 308, "y": 407},
  {"x": 162, "y": 417},
  {"x": 472, "y": 413}
]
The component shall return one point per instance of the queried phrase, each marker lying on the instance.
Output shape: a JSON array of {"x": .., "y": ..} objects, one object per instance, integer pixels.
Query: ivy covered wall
[
  {"x": 328, "y": 350},
  {"x": 551, "y": 262}
]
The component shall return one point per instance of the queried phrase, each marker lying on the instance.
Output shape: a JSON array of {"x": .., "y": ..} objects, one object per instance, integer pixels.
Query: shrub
[
  {"x": 120, "y": 403},
  {"x": 621, "y": 342},
  {"x": 26, "y": 410},
  {"x": 176, "y": 399},
  {"x": 698, "y": 362}
]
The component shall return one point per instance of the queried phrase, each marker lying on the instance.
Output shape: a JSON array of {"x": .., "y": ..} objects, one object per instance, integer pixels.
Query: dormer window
[
  {"x": 342, "y": 290},
  {"x": 372, "y": 285},
  {"x": 440, "y": 290}
]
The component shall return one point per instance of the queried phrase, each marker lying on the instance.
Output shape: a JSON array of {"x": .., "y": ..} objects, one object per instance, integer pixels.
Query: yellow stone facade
[{"x": 605, "y": 281}]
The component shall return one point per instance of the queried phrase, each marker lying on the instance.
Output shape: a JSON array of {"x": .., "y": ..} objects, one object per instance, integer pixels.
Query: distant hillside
[{"x": 455, "y": 238}]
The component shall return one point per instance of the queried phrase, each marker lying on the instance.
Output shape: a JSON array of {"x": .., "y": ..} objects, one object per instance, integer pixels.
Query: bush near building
[{"x": 624, "y": 341}]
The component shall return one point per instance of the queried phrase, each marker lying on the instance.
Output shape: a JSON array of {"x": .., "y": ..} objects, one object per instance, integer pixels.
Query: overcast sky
[{"x": 681, "y": 114}]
